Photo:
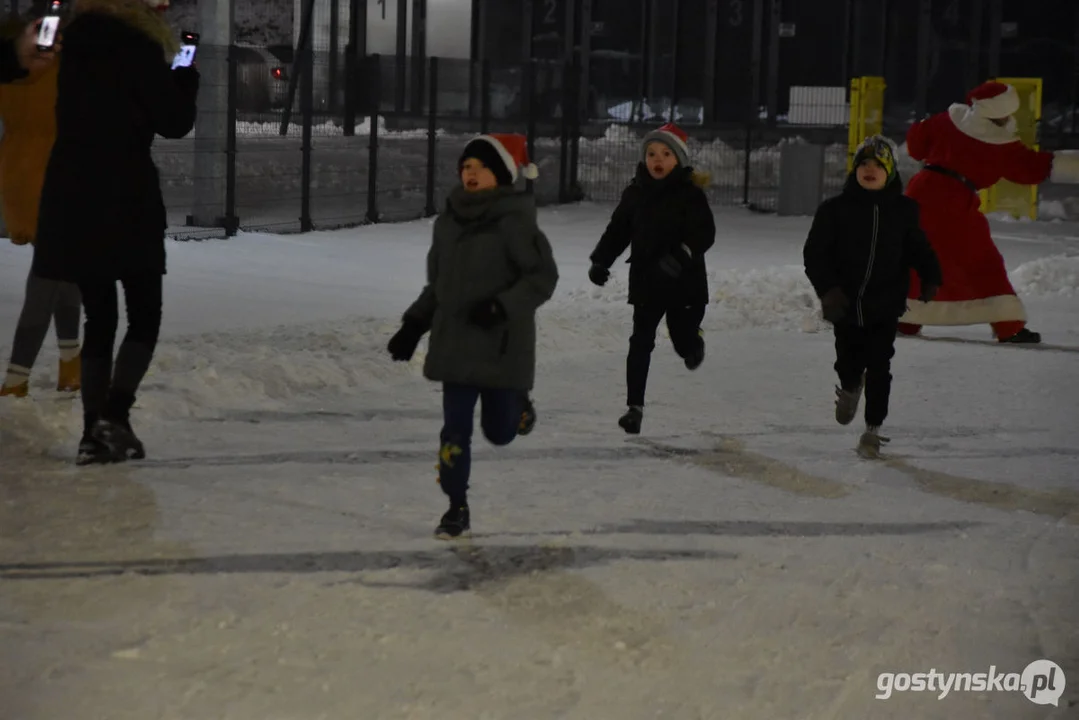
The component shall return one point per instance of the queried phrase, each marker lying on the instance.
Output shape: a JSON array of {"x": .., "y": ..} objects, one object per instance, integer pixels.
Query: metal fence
[{"x": 328, "y": 135}]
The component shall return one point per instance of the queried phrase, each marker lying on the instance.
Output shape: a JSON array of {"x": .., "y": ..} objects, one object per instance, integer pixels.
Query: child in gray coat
[{"x": 489, "y": 269}]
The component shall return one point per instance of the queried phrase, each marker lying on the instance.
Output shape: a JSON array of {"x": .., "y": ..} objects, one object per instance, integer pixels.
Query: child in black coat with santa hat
[{"x": 665, "y": 221}]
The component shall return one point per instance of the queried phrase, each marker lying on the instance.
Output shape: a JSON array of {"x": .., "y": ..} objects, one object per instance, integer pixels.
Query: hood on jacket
[{"x": 138, "y": 15}]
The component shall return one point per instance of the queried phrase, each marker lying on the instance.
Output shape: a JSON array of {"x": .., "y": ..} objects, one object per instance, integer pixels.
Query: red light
[{"x": 277, "y": 73}]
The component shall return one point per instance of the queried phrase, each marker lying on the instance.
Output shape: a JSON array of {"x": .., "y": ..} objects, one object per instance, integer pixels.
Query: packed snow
[{"x": 273, "y": 558}]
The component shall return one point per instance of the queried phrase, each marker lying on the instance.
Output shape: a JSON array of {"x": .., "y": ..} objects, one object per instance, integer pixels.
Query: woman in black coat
[
  {"x": 665, "y": 221},
  {"x": 102, "y": 217}
]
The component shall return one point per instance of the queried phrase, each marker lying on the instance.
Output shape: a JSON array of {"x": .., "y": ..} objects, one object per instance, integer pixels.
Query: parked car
[{"x": 261, "y": 79}]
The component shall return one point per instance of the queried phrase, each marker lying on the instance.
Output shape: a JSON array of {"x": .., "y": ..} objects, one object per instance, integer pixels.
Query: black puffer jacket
[
  {"x": 653, "y": 219},
  {"x": 866, "y": 243}
]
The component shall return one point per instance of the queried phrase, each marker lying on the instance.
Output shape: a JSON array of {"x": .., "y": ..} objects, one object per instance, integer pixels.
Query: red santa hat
[
  {"x": 505, "y": 154},
  {"x": 994, "y": 100},
  {"x": 673, "y": 137}
]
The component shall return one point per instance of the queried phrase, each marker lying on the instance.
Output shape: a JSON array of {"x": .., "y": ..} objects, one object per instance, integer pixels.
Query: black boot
[
  {"x": 93, "y": 450},
  {"x": 631, "y": 421},
  {"x": 1023, "y": 337},
  {"x": 528, "y": 416},
  {"x": 455, "y": 523},
  {"x": 694, "y": 359},
  {"x": 114, "y": 429}
]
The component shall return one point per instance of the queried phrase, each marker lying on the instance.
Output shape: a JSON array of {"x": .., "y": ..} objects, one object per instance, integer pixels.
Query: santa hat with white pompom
[{"x": 506, "y": 155}]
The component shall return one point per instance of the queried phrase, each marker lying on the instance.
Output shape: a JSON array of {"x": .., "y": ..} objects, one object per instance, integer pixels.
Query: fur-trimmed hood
[{"x": 139, "y": 15}]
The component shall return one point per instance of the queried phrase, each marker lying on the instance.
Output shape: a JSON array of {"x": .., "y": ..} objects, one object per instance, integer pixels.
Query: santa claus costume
[{"x": 968, "y": 148}]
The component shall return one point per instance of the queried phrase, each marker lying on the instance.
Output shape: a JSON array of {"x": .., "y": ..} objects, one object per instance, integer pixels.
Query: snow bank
[{"x": 1049, "y": 277}]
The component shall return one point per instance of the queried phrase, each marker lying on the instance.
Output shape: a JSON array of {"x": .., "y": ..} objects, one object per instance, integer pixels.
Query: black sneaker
[
  {"x": 631, "y": 421},
  {"x": 120, "y": 438},
  {"x": 93, "y": 451},
  {"x": 456, "y": 523},
  {"x": 528, "y": 417},
  {"x": 1024, "y": 337}
]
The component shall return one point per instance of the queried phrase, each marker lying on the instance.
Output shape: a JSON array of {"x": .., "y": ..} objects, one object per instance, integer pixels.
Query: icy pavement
[{"x": 272, "y": 559}]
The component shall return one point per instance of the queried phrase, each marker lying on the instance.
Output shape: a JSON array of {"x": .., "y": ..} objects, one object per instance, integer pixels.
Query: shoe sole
[
  {"x": 466, "y": 535},
  {"x": 630, "y": 430}
]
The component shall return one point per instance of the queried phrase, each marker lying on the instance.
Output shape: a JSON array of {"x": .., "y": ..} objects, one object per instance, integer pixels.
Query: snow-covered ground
[{"x": 272, "y": 560}]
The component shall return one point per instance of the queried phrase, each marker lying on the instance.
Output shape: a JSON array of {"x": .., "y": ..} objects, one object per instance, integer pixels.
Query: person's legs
[
  {"x": 879, "y": 351},
  {"x": 38, "y": 302},
  {"x": 500, "y": 415},
  {"x": 850, "y": 367},
  {"x": 684, "y": 325},
  {"x": 100, "y": 302},
  {"x": 646, "y": 320},
  {"x": 143, "y": 299},
  {"x": 67, "y": 313},
  {"x": 455, "y": 457}
]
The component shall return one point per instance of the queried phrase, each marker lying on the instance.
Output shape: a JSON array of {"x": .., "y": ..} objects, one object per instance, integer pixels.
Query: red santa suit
[{"x": 965, "y": 151}]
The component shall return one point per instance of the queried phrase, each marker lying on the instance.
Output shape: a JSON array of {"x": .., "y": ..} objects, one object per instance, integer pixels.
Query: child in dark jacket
[
  {"x": 858, "y": 256},
  {"x": 665, "y": 221},
  {"x": 489, "y": 269}
]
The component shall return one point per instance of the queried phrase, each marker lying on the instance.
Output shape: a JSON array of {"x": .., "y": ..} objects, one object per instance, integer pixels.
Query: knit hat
[
  {"x": 673, "y": 137},
  {"x": 881, "y": 149},
  {"x": 994, "y": 100},
  {"x": 504, "y": 155}
]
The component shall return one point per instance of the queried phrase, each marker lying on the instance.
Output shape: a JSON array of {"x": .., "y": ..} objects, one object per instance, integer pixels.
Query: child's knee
[
  {"x": 499, "y": 434},
  {"x": 641, "y": 344}
]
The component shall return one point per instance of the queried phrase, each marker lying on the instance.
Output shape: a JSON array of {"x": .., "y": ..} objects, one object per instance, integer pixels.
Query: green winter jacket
[{"x": 486, "y": 245}]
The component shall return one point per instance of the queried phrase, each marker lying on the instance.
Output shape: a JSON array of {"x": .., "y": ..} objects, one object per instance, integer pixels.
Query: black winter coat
[
  {"x": 866, "y": 243},
  {"x": 102, "y": 215},
  {"x": 653, "y": 219},
  {"x": 10, "y": 69}
]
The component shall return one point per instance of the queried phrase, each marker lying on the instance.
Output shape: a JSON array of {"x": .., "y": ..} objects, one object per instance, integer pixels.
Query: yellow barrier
[
  {"x": 866, "y": 113},
  {"x": 1019, "y": 200}
]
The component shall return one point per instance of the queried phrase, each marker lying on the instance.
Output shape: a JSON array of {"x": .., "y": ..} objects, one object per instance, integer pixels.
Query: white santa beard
[{"x": 972, "y": 124}]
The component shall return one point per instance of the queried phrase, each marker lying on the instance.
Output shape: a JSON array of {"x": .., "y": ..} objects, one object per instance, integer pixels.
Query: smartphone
[
  {"x": 189, "y": 43},
  {"x": 50, "y": 24}
]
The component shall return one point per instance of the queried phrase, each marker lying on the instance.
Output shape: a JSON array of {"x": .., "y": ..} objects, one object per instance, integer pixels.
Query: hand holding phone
[
  {"x": 49, "y": 26},
  {"x": 188, "y": 47}
]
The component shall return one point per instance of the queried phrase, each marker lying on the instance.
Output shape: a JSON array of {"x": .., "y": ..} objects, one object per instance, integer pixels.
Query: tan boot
[
  {"x": 70, "y": 376},
  {"x": 19, "y": 391}
]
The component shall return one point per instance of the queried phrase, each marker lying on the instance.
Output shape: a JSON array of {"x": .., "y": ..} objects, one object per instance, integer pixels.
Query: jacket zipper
[{"x": 869, "y": 265}]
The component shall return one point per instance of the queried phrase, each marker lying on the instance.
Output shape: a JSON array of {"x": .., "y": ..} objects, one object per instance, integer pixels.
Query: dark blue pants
[{"x": 500, "y": 416}]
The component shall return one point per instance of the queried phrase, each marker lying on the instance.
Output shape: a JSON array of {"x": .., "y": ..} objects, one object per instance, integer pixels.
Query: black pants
[
  {"x": 105, "y": 390},
  {"x": 867, "y": 350},
  {"x": 499, "y": 418},
  {"x": 683, "y": 323}
]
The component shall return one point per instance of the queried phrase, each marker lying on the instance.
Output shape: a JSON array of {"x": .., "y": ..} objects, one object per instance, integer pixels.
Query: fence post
[
  {"x": 754, "y": 109},
  {"x": 232, "y": 223},
  {"x": 332, "y": 70},
  {"x": 485, "y": 96},
  {"x": 355, "y": 51},
  {"x": 573, "y": 190},
  {"x": 375, "y": 80},
  {"x": 210, "y": 161},
  {"x": 563, "y": 152},
  {"x": 432, "y": 135},
  {"x": 307, "y": 108},
  {"x": 530, "y": 115}
]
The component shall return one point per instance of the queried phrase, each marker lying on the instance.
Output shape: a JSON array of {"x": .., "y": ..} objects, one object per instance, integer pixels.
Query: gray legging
[{"x": 45, "y": 300}]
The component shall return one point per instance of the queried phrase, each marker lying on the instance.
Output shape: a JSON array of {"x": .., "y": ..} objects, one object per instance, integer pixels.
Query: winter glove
[
  {"x": 402, "y": 345},
  {"x": 487, "y": 313},
  {"x": 834, "y": 305},
  {"x": 598, "y": 274},
  {"x": 928, "y": 293}
]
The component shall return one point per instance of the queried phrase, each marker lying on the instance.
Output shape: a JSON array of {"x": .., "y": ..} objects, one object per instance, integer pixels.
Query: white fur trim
[
  {"x": 1004, "y": 105},
  {"x": 531, "y": 172},
  {"x": 964, "y": 312},
  {"x": 1065, "y": 167},
  {"x": 503, "y": 153},
  {"x": 981, "y": 128}
]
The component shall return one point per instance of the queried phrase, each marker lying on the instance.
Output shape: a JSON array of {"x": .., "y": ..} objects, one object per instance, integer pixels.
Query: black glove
[
  {"x": 598, "y": 274},
  {"x": 402, "y": 345},
  {"x": 834, "y": 305},
  {"x": 487, "y": 313},
  {"x": 928, "y": 292}
]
